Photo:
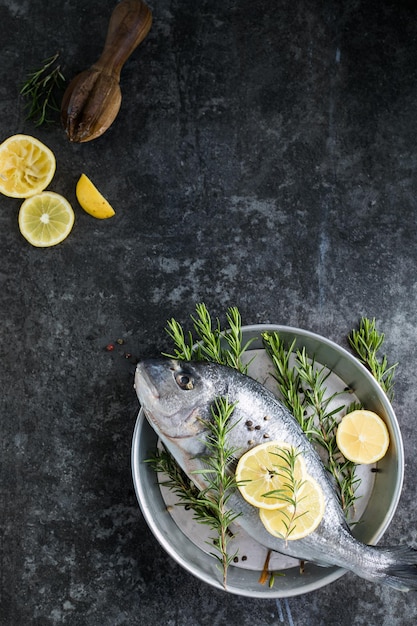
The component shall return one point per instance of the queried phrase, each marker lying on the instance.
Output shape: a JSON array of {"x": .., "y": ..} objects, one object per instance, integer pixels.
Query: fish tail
[{"x": 397, "y": 567}]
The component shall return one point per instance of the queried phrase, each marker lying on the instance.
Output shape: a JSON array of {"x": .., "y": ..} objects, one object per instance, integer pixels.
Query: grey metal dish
[{"x": 375, "y": 520}]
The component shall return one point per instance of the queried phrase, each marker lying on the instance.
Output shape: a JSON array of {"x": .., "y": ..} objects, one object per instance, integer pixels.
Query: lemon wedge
[
  {"x": 27, "y": 166},
  {"x": 91, "y": 200},
  {"x": 46, "y": 219}
]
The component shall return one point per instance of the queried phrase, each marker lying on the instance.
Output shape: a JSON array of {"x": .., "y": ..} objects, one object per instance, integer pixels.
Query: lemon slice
[
  {"x": 27, "y": 166},
  {"x": 46, "y": 219},
  {"x": 91, "y": 199},
  {"x": 265, "y": 468},
  {"x": 295, "y": 522},
  {"x": 362, "y": 437}
]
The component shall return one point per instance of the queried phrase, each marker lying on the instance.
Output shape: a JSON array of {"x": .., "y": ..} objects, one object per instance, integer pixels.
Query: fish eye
[{"x": 184, "y": 381}]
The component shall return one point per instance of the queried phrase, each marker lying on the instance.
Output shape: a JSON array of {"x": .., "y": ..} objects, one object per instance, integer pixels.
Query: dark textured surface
[{"x": 264, "y": 157}]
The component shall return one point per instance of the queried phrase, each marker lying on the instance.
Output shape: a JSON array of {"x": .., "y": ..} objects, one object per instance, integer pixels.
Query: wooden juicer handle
[{"x": 92, "y": 100}]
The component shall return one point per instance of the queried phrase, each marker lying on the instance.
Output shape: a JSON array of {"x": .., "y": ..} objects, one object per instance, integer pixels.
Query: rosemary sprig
[
  {"x": 290, "y": 493},
  {"x": 209, "y": 506},
  {"x": 220, "y": 482},
  {"x": 324, "y": 424},
  {"x": 41, "y": 89},
  {"x": 184, "y": 349},
  {"x": 366, "y": 341},
  {"x": 234, "y": 339},
  {"x": 177, "y": 481},
  {"x": 224, "y": 346},
  {"x": 302, "y": 386},
  {"x": 287, "y": 377},
  {"x": 208, "y": 332},
  {"x": 210, "y": 342}
]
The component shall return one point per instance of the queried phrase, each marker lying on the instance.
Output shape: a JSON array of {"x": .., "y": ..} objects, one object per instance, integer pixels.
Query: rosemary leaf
[
  {"x": 287, "y": 377},
  {"x": 183, "y": 348},
  {"x": 209, "y": 506},
  {"x": 291, "y": 493},
  {"x": 233, "y": 337},
  {"x": 208, "y": 335},
  {"x": 366, "y": 341},
  {"x": 41, "y": 90},
  {"x": 302, "y": 385},
  {"x": 220, "y": 484},
  {"x": 209, "y": 342}
]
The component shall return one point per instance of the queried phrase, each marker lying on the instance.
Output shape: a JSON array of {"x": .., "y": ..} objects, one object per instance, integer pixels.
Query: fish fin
[{"x": 400, "y": 570}]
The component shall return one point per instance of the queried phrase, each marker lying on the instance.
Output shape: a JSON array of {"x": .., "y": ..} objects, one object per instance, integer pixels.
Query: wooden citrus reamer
[{"x": 92, "y": 100}]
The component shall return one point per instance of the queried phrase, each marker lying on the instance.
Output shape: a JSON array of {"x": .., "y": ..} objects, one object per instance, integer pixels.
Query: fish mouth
[{"x": 144, "y": 384}]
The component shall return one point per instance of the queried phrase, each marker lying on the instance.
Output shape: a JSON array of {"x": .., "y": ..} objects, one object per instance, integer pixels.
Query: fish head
[{"x": 175, "y": 396}]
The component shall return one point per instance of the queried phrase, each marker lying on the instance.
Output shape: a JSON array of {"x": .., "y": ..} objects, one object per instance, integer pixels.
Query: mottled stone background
[{"x": 264, "y": 157}]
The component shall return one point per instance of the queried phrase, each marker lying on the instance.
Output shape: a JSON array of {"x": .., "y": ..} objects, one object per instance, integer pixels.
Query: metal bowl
[{"x": 375, "y": 519}]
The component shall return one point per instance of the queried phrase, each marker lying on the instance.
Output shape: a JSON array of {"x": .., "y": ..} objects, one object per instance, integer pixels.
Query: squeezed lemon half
[
  {"x": 46, "y": 219},
  {"x": 91, "y": 200},
  {"x": 362, "y": 437},
  {"x": 27, "y": 166}
]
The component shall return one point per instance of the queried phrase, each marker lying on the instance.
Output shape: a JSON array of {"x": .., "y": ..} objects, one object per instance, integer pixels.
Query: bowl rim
[{"x": 325, "y": 575}]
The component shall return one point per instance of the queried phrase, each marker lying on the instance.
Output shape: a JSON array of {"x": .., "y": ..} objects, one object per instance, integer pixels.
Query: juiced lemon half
[{"x": 27, "y": 166}]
